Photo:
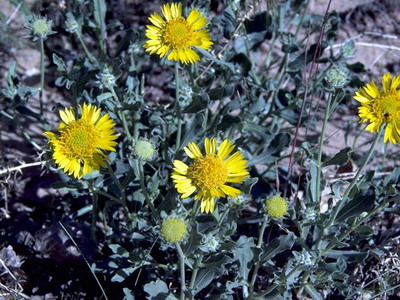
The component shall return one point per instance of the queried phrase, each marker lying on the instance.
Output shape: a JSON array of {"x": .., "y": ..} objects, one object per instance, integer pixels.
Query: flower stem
[
  {"x": 346, "y": 193},
  {"x": 145, "y": 193},
  {"x": 361, "y": 221},
  {"x": 177, "y": 107},
  {"x": 320, "y": 147},
  {"x": 259, "y": 243},
  {"x": 122, "y": 116},
  {"x": 195, "y": 271},
  {"x": 122, "y": 190},
  {"x": 91, "y": 58},
  {"x": 41, "y": 76},
  {"x": 182, "y": 270},
  {"x": 275, "y": 285},
  {"x": 94, "y": 210}
]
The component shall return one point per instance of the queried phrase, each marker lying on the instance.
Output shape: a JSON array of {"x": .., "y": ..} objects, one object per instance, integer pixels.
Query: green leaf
[
  {"x": 198, "y": 103},
  {"x": 245, "y": 255},
  {"x": 122, "y": 274},
  {"x": 220, "y": 93},
  {"x": 100, "y": 10},
  {"x": 341, "y": 158},
  {"x": 312, "y": 292},
  {"x": 158, "y": 290},
  {"x": 228, "y": 22},
  {"x": 272, "y": 153},
  {"x": 129, "y": 295},
  {"x": 59, "y": 62},
  {"x": 104, "y": 96},
  {"x": 117, "y": 249},
  {"x": 362, "y": 202},
  {"x": 204, "y": 278},
  {"x": 306, "y": 57},
  {"x": 348, "y": 255},
  {"x": 278, "y": 245}
]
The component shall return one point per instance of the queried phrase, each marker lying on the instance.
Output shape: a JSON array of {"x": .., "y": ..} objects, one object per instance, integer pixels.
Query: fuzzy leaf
[
  {"x": 363, "y": 201},
  {"x": 278, "y": 245},
  {"x": 341, "y": 158},
  {"x": 158, "y": 290},
  {"x": 272, "y": 153},
  {"x": 306, "y": 57},
  {"x": 245, "y": 255},
  {"x": 204, "y": 278}
]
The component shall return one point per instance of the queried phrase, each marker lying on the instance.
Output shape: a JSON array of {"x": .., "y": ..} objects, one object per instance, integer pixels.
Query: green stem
[
  {"x": 122, "y": 116},
  {"x": 275, "y": 285},
  {"x": 122, "y": 190},
  {"x": 182, "y": 270},
  {"x": 346, "y": 193},
  {"x": 361, "y": 221},
  {"x": 259, "y": 243},
  {"x": 111, "y": 197},
  {"x": 145, "y": 193},
  {"x": 91, "y": 58},
  {"x": 94, "y": 210},
  {"x": 136, "y": 118},
  {"x": 222, "y": 218},
  {"x": 195, "y": 210},
  {"x": 177, "y": 107},
  {"x": 195, "y": 271},
  {"x": 41, "y": 76},
  {"x": 320, "y": 147}
]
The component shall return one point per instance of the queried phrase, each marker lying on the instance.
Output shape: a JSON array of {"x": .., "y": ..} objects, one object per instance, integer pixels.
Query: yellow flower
[
  {"x": 173, "y": 230},
  {"x": 276, "y": 206},
  {"x": 176, "y": 36},
  {"x": 208, "y": 174},
  {"x": 381, "y": 106},
  {"x": 79, "y": 148}
]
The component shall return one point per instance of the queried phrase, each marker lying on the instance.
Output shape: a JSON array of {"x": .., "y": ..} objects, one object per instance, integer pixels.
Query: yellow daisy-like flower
[
  {"x": 208, "y": 174},
  {"x": 176, "y": 36},
  {"x": 79, "y": 148},
  {"x": 381, "y": 106}
]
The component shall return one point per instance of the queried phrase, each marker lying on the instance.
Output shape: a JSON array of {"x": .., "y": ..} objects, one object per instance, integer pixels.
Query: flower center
[
  {"x": 79, "y": 139},
  {"x": 177, "y": 33},
  {"x": 388, "y": 106},
  {"x": 208, "y": 172}
]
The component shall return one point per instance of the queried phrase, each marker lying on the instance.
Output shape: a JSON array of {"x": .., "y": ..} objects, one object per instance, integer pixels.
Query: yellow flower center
[
  {"x": 79, "y": 139},
  {"x": 388, "y": 106},
  {"x": 177, "y": 33},
  {"x": 208, "y": 172}
]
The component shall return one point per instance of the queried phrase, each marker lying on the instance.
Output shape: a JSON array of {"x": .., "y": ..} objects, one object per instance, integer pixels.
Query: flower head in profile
[
  {"x": 381, "y": 107},
  {"x": 80, "y": 146},
  {"x": 209, "y": 174},
  {"x": 174, "y": 36}
]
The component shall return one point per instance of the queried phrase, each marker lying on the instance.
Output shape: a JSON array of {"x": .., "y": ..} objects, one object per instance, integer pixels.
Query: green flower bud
[
  {"x": 337, "y": 76},
  {"x": 40, "y": 27},
  {"x": 276, "y": 206},
  {"x": 144, "y": 149},
  {"x": 106, "y": 79},
  {"x": 173, "y": 230}
]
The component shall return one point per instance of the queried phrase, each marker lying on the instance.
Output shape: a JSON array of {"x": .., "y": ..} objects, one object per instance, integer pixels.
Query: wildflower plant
[{"x": 165, "y": 171}]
